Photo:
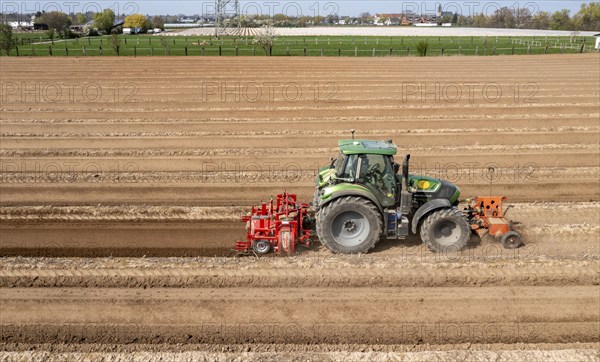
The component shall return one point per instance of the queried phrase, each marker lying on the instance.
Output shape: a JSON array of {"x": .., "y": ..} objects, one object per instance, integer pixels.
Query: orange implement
[{"x": 486, "y": 216}]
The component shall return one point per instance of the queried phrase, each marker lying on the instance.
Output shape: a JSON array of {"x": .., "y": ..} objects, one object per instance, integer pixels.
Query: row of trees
[
  {"x": 587, "y": 18},
  {"x": 283, "y": 20},
  {"x": 59, "y": 23},
  {"x": 139, "y": 21}
]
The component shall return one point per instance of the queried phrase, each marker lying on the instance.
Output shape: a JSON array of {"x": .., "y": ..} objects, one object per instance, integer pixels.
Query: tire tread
[
  {"x": 330, "y": 243},
  {"x": 426, "y": 229}
]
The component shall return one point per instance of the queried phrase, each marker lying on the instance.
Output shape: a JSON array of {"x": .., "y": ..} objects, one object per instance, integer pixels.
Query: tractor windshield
[
  {"x": 339, "y": 164},
  {"x": 345, "y": 166}
]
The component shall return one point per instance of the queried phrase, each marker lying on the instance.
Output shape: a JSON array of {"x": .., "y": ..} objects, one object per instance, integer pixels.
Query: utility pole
[{"x": 226, "y": 13}]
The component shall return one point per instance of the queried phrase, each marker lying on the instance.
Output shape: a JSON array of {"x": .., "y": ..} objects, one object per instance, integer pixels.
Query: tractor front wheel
[
  {"x": 445, "y": 230},
  {"x": 349, "y": 225}
]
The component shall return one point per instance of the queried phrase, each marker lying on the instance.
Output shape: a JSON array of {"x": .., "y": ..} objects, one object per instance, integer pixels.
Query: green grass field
[{"x": 37, "y": 44}]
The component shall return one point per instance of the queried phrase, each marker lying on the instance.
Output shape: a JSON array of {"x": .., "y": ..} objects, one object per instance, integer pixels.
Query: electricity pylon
[{"x": 227, "y": 16}]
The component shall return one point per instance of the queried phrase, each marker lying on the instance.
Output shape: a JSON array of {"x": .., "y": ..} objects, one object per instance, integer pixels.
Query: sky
[{"x": 291, "y": 8}]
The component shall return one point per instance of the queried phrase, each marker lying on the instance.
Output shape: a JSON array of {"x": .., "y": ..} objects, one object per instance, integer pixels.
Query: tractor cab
[{"x": 370, "y": 164}]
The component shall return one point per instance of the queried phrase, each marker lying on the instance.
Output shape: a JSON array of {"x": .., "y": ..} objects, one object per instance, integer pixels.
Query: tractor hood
[
  {"x": 428, "y": 188},
  {"x": 424, "y": 188}
]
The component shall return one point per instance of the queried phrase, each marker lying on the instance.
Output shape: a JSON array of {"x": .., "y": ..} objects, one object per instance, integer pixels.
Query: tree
[
  {"x": 280, "y": 18},
  {"x": 304, "y": 20},
  {"x": 480, "y": 21},
  {"x": 5, "y": 38},
  {"x": 463, "y": 20},
  {"x": 540, "y": 20},
  {"x": 446, "y": 19},
  {"x": 365, "y": 18},
  {"x": 80, "y": 19},
  {"x": 137, "y": 21},
  {"x": 588, "y": 17},
  {"x": 247, "y": 21},
  {"x": 561, "y": 20},
  {"x": 57, "y": 22},
  {"x": 105, "y": 20},
  {"x": 265, "y": 38},
  {"x": 171, "y": 19},
  {"x": 422, "y": 48},
  {"x": 332, "y": 18},
  {"x": 522, "y": 17},
  {"x": 158, "y": 22},
  {"x": 503, "y": 18}
]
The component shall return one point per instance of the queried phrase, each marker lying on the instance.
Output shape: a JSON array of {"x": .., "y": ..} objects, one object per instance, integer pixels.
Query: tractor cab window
[
  {"x": 377, "y": 170},
  {"x": 340, "y": 161},
  {"x": 347, "y": 168}
]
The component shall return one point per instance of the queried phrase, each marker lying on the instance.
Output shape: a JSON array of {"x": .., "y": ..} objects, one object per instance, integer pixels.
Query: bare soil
[{"x": 121, "y": 194}]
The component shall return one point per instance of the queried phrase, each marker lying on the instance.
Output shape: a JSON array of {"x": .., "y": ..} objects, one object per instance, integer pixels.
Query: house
[
  {"x": 20, "y": 24},
  {"x": 393, "y": 19},
  {"x": 187, "y": 20},
  {"x": 77, "y": 28},
  {"x": 116, "y": 23}
]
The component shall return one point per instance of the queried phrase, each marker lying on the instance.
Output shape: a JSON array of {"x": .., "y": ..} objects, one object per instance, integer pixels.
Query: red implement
[{"x": 279, "y": 226}]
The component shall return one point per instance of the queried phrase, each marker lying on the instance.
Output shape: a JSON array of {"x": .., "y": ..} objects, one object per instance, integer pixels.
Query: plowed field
[{"x": 123, "y": 180}]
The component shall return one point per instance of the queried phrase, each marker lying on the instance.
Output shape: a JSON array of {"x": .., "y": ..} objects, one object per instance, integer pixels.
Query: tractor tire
[
  {"x": 445, "y": 230},
  {"x": 349, "y": 225},
  {"x": 511, "y": 240}
]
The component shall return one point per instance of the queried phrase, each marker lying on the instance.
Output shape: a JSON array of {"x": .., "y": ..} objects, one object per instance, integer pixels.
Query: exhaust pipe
[
  {"x": 405, "y": 172},
  {"x": 405, "y": 195}
]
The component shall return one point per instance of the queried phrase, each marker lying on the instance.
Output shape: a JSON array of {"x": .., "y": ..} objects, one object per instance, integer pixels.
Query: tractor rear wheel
[
  {"x": 349, "y": 225},
  {"x": 445, "y": 230}
]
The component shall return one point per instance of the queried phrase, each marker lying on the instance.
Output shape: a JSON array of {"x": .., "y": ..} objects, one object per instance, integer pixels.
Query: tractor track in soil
[
  {"x": 213, "y": 300},
  {"x": 305, "y": 315},
  {"x": 159, "y": 145},
  {"x": 318, "y": 271},
  {"x": 549, "y": 229}
]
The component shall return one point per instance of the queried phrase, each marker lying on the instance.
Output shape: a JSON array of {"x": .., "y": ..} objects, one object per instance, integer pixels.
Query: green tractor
[{"x": 362, "y": 197}]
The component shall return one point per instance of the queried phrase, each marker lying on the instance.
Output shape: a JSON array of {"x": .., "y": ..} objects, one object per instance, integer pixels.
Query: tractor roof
[{"x": 351, "y": 147}]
